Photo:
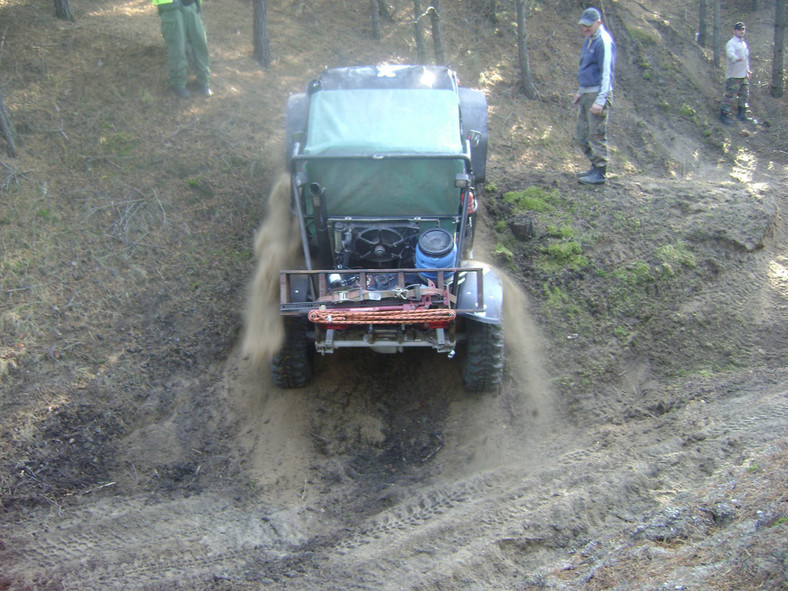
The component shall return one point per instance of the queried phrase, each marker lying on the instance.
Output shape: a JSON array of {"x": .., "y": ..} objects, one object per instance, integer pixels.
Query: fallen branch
[{"x": 94, "y": 489}]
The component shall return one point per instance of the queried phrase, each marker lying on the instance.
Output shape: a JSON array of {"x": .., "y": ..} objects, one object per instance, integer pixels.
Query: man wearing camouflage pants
[
  {"x": 737, "y": 77},
  {"x": 181, "y": 24}
]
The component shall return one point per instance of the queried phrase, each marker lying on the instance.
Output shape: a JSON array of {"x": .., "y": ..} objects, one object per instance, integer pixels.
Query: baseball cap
[
  {"x": 739, "y": 26},
  {"x": 590, "y": 16}
]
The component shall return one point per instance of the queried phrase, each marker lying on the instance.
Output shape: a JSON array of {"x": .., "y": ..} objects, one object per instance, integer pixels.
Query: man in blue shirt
[{"x": 594, "y": 94}]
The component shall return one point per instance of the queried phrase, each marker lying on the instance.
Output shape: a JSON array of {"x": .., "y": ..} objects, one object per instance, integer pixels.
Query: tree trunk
[
  {"x": 715, "y": 34},
  {"x": 778, "y": 71},
  {"x": 526, "y": 79},
  {"x": 702, "y": 33},
  {"x": 63, "y": 10},
  {"x": 418, "y": 25},
  {"x": 384, "y": 11},
  {"x": 437, "y": 37},
  {"x": 374, "y": 9},
  {"x": 7, "y": 128},
  {"x": 262, "y": 49}
]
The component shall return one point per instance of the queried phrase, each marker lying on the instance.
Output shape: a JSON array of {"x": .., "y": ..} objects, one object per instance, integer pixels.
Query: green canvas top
[{"x": 383, "y": 121}]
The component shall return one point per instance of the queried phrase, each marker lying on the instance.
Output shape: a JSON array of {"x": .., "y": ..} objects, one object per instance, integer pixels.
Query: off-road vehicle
[{"x": 385, "y": 162}]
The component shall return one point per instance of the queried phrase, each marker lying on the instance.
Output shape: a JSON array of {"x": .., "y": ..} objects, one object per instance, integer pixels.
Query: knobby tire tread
[
  {"x": 292, "y": 366},
  {"x": 483, "y": 369}
]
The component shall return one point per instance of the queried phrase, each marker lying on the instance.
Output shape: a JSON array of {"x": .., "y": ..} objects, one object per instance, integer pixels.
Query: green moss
[
  {"x": 677, "y": 253},
  {"x": 558, "y": 302},
  {"x": 532, "y": 199},
  {"x": 564, "y": 232},
  {"x": 689, "y": 113},
  {"x": 643, "y": 37},
  {"x": 566, "y": 254},
  {"x": 635, "y": 274},
  {"x": 503, "y": 253},
  {"x": 621, "y": 333}
]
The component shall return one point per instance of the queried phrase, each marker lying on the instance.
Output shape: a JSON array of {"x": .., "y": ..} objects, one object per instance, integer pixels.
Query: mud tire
[
  {"x": 483, "y": 369},
  {"x": 292, "y": 366},
  {"x": 295, "y": 122}
]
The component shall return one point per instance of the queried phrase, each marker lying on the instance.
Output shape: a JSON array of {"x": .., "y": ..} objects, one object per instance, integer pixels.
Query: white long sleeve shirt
[{"x": 738, "y": 54}]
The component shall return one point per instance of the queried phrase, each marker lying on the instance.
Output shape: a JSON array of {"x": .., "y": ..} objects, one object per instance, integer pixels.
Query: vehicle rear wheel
[
  {"x": 292, "y": 366},
  {"x": 483, "y": 369}
]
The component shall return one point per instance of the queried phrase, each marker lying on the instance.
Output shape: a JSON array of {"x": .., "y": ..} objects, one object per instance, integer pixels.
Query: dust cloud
[
  {"x": 276, "y": 248},
  {"x": 503, "y": 429},
  {"x": 525, "y": 354}
]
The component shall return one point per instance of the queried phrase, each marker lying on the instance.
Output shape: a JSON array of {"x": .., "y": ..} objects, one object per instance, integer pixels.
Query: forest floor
[{"x": 638, "y": 440}]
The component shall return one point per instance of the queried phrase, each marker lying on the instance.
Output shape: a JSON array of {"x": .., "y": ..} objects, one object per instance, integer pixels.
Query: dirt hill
[{"x": 638, "y": 440}]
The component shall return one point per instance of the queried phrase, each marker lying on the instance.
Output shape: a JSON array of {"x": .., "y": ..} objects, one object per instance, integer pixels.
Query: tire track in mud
[
  {"x": 134, "y": 543},
  {"x": 550, "y": 509},
  {"x": 566, "y": 489}
]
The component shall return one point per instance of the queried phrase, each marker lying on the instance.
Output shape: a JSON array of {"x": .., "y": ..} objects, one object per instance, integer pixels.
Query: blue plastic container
[{"x": 435, "y": 250}]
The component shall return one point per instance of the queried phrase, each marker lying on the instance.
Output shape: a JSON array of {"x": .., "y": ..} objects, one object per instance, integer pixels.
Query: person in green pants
[{"x": 181, "y": 24}]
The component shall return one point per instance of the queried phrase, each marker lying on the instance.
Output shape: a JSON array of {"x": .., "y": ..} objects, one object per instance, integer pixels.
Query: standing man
[
  {"x": 737, "y": 76},
  {"x": 594, "y": 94},
  {"x": 181, "y": 24}
]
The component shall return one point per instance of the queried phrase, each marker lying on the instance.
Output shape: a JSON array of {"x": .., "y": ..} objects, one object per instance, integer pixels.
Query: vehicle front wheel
[
  {"x": 292, "y": 366},
  {"x": 483, "y": 369}
]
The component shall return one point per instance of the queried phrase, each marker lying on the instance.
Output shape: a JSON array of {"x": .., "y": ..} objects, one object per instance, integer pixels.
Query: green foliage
[
  {"x": 532, "y": 199},
  {"x": 642, "y": 36},
  {"x": 555, "y": 299},
  {"x": 566, "y": 254},
  {"x": 689, "y": 113},
  {"x": 674, "y": 257},
  {"x": 564, "y": 232},
  {"x": 503, "y": 253},
  {"x": 491, "y": 187},
  {"x": 558, "y": 302},
  {"x": 621, "y": 333},
  {"x": 634, "y": 274},
  {"x": 677, "y": 253}
]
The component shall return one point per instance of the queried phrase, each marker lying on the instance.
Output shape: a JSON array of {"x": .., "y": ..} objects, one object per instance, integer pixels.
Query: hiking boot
[
  {"x": 181, "y": 92},
  {"x": 205, "y": 91},
  {"x": 724, "y": 119},
  {"x": 744, "y": 117},
  {"x": 595, "y": 177},
  {"x": 585, "y": 172}
]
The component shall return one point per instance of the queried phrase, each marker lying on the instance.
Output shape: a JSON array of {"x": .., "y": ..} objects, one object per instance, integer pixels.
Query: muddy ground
[{"x": 638, "y": 440}]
